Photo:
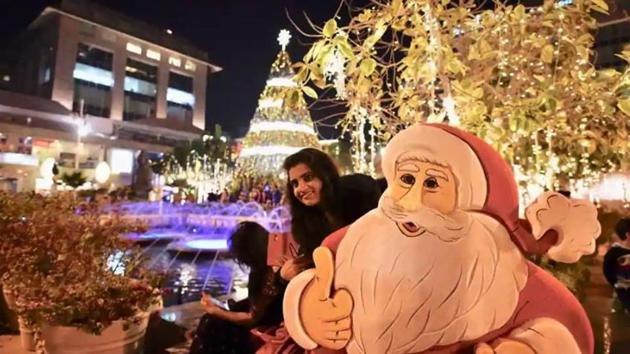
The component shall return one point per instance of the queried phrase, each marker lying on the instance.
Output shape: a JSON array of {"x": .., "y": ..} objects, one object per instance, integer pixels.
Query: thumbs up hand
[{"x": 325, "y": 316}]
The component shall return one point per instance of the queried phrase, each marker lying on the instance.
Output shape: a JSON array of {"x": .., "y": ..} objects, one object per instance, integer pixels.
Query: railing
[{"x": 214, "y": 215}]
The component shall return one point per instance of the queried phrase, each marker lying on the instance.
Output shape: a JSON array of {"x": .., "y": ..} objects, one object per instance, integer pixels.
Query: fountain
[{"x": 190, "y": 241}]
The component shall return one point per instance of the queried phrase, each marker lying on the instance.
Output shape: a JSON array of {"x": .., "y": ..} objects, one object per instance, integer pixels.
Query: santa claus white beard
[{"x": 414, "y": 293}]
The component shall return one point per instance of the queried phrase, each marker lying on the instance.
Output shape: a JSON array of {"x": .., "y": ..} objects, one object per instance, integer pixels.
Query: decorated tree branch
[{"x": 521, "y": 78}]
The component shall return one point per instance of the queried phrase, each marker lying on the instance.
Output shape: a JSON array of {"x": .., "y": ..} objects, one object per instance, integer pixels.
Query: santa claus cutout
[{"x": 439, "y": 266}]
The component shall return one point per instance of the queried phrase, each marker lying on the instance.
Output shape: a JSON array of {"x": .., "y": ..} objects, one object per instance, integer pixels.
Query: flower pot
[
  {"x": 115, "y": 339},
  {"x": 9, "y": 298},
  {"x": 27, "y": 337}
]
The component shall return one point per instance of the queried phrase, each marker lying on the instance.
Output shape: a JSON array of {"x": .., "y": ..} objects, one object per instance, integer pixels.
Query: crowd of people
[
  {"x": 262, "y": 191},
  {"x": 321, "y": 201}
]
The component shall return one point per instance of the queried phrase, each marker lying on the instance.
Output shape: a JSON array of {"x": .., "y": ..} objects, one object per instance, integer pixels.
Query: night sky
[{"x": 239, "y": 35}]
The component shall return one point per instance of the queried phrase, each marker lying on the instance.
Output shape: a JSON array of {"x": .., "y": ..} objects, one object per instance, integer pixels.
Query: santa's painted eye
[
  {"x": 431, "y": 183},
  {"x": 408, "y": 179}
]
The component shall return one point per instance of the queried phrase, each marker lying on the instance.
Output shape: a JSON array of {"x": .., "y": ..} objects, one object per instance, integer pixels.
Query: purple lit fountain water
[{"x": 190, "y": 243}]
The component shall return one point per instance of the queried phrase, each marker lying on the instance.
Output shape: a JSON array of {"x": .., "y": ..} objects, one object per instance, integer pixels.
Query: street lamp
[{"x": 83, "y": 129}]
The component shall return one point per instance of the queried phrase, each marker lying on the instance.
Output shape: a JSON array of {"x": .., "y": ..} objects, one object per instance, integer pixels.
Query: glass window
[
  {"x": 140, "y": 70},
  {"x": 180, "y": 112},
  {"x": 95, "y": 57},
  {"x": 25, "y": 145},
  {"x": 93, "y": 79},
  {"x": 140, "y": 90},
  {"x": 138, "y": 106},
  {"x": 179, "y": 98},
  {"x": 180, "y": 82},
  {"x": 92, "y": 99}
]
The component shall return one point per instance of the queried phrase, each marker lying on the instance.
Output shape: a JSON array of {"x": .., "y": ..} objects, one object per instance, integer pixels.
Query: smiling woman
[{"x": 320, "y": 200}]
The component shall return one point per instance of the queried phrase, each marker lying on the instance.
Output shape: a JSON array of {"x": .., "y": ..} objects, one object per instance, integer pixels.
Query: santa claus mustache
[{"x": 448, "y": 228}]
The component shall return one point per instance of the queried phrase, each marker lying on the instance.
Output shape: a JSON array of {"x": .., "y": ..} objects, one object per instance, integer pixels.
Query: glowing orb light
[{"x": 102, "y": 172}]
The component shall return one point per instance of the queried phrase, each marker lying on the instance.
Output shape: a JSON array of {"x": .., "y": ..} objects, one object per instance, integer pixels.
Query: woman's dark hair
[
  {"x": 309, "y": 224},
  {"x": 622, "y": 228},
  {"x": 248, "y": 244}
]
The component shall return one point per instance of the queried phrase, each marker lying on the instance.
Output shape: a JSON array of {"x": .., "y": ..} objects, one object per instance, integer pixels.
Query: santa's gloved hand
[
  {"x": 504, "y": 346},
  {"x": 325, "y": 316}
]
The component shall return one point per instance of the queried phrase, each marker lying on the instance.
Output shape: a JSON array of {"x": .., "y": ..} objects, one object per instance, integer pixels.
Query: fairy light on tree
[{"x": 520, "y": 78}]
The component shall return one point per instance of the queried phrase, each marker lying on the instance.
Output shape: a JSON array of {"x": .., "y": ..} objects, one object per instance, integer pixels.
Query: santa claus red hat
[{"x": 486, "y": 183}]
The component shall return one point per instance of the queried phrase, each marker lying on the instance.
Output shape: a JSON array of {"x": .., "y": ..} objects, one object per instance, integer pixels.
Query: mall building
[{"x": 87, "y": 84}]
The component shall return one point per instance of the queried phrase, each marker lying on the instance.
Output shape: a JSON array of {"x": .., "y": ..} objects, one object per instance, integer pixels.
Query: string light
[{"x": 503, "y": 63}]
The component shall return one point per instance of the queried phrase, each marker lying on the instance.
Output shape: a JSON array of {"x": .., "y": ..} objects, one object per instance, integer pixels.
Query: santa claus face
[
  {"x": 414, "y": 293},
  {"x": 418, "y": 185},
  {"x": 424, "y": 272}
]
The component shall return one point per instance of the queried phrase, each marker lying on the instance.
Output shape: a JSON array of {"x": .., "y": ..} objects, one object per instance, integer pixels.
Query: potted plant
[
  {"x": 13, "y": 208},
  {"x": 75, "y": 281}
]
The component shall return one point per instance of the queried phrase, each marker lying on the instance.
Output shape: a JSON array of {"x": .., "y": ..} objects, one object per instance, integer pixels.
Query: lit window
[
  {"x": 139, "y": 86},
  {"x": 94, "y": 75},
  {"x": 46, "y": 75},
  {"x": 175, "y": 61},
  {"x": 152, "y": 54},
  {"x": 6, "y": 78},
  {"x": 190, "y": 66},
  {"x": 180, "y": 97},
  {"x": 134, "y": 48},
  {"x": 121, "y": 160}
]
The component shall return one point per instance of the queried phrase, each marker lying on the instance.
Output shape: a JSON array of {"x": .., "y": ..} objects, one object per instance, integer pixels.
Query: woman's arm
[
  {"x": 242, "y": 318},
  {"x": 239, "y": 318}
]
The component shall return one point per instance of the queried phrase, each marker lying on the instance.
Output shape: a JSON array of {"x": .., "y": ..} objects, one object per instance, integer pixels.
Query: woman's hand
[
  {"x": 209, "y": 306},
  {"x": 293, "y": 267}
]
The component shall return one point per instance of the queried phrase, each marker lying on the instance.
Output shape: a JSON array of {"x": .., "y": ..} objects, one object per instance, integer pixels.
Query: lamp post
[{"x": 83, "y": 129}]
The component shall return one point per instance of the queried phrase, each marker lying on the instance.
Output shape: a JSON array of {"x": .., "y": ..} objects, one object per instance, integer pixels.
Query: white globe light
[
  {"x": 102, "y": 172},
  {"x": 46, "y": 168}
]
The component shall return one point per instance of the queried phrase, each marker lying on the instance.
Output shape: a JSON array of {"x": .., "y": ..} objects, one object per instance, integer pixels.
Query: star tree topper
[{"x": 283, "y": 38}]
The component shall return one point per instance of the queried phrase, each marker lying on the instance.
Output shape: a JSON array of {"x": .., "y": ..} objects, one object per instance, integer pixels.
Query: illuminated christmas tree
[{"x": 282, "y": 123}]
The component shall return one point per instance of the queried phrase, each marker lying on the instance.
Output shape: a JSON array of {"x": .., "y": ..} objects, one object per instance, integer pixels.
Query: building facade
[{"x": 91, "y": 85}]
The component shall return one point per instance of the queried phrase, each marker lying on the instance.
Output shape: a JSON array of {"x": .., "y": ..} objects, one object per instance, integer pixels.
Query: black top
[
  {"x": 359, "y": 194},
  {"x": 356, "y": 195},
  {"x": 265, "y": 297},
  {"x": 611, "y": 265}
]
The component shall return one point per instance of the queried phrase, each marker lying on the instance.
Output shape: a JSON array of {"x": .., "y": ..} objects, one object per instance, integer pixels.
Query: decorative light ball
[
  {"x": 46, "y": 168},
  {"x": 102, "y": 172}
]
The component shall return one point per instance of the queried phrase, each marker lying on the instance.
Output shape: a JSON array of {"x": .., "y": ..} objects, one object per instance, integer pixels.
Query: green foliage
[{"x": 74, "y": 179}]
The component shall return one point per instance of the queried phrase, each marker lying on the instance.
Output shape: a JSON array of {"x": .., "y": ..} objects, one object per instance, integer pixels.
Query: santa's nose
[{"x": 412, "y": 200}]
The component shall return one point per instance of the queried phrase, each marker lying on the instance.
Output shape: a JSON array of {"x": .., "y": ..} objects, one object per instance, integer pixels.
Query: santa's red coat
[{"x": 542, "y": 296}]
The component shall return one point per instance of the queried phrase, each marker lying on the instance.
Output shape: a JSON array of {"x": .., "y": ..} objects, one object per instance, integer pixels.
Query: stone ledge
[{"x": 11, "y": 345}]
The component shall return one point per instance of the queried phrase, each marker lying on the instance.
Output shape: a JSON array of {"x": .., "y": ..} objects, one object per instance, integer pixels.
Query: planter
[
  {"x": 27, "y": 336},
  {"x": 115, "y": 339},
  {"x": 8, "y": 298}
]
